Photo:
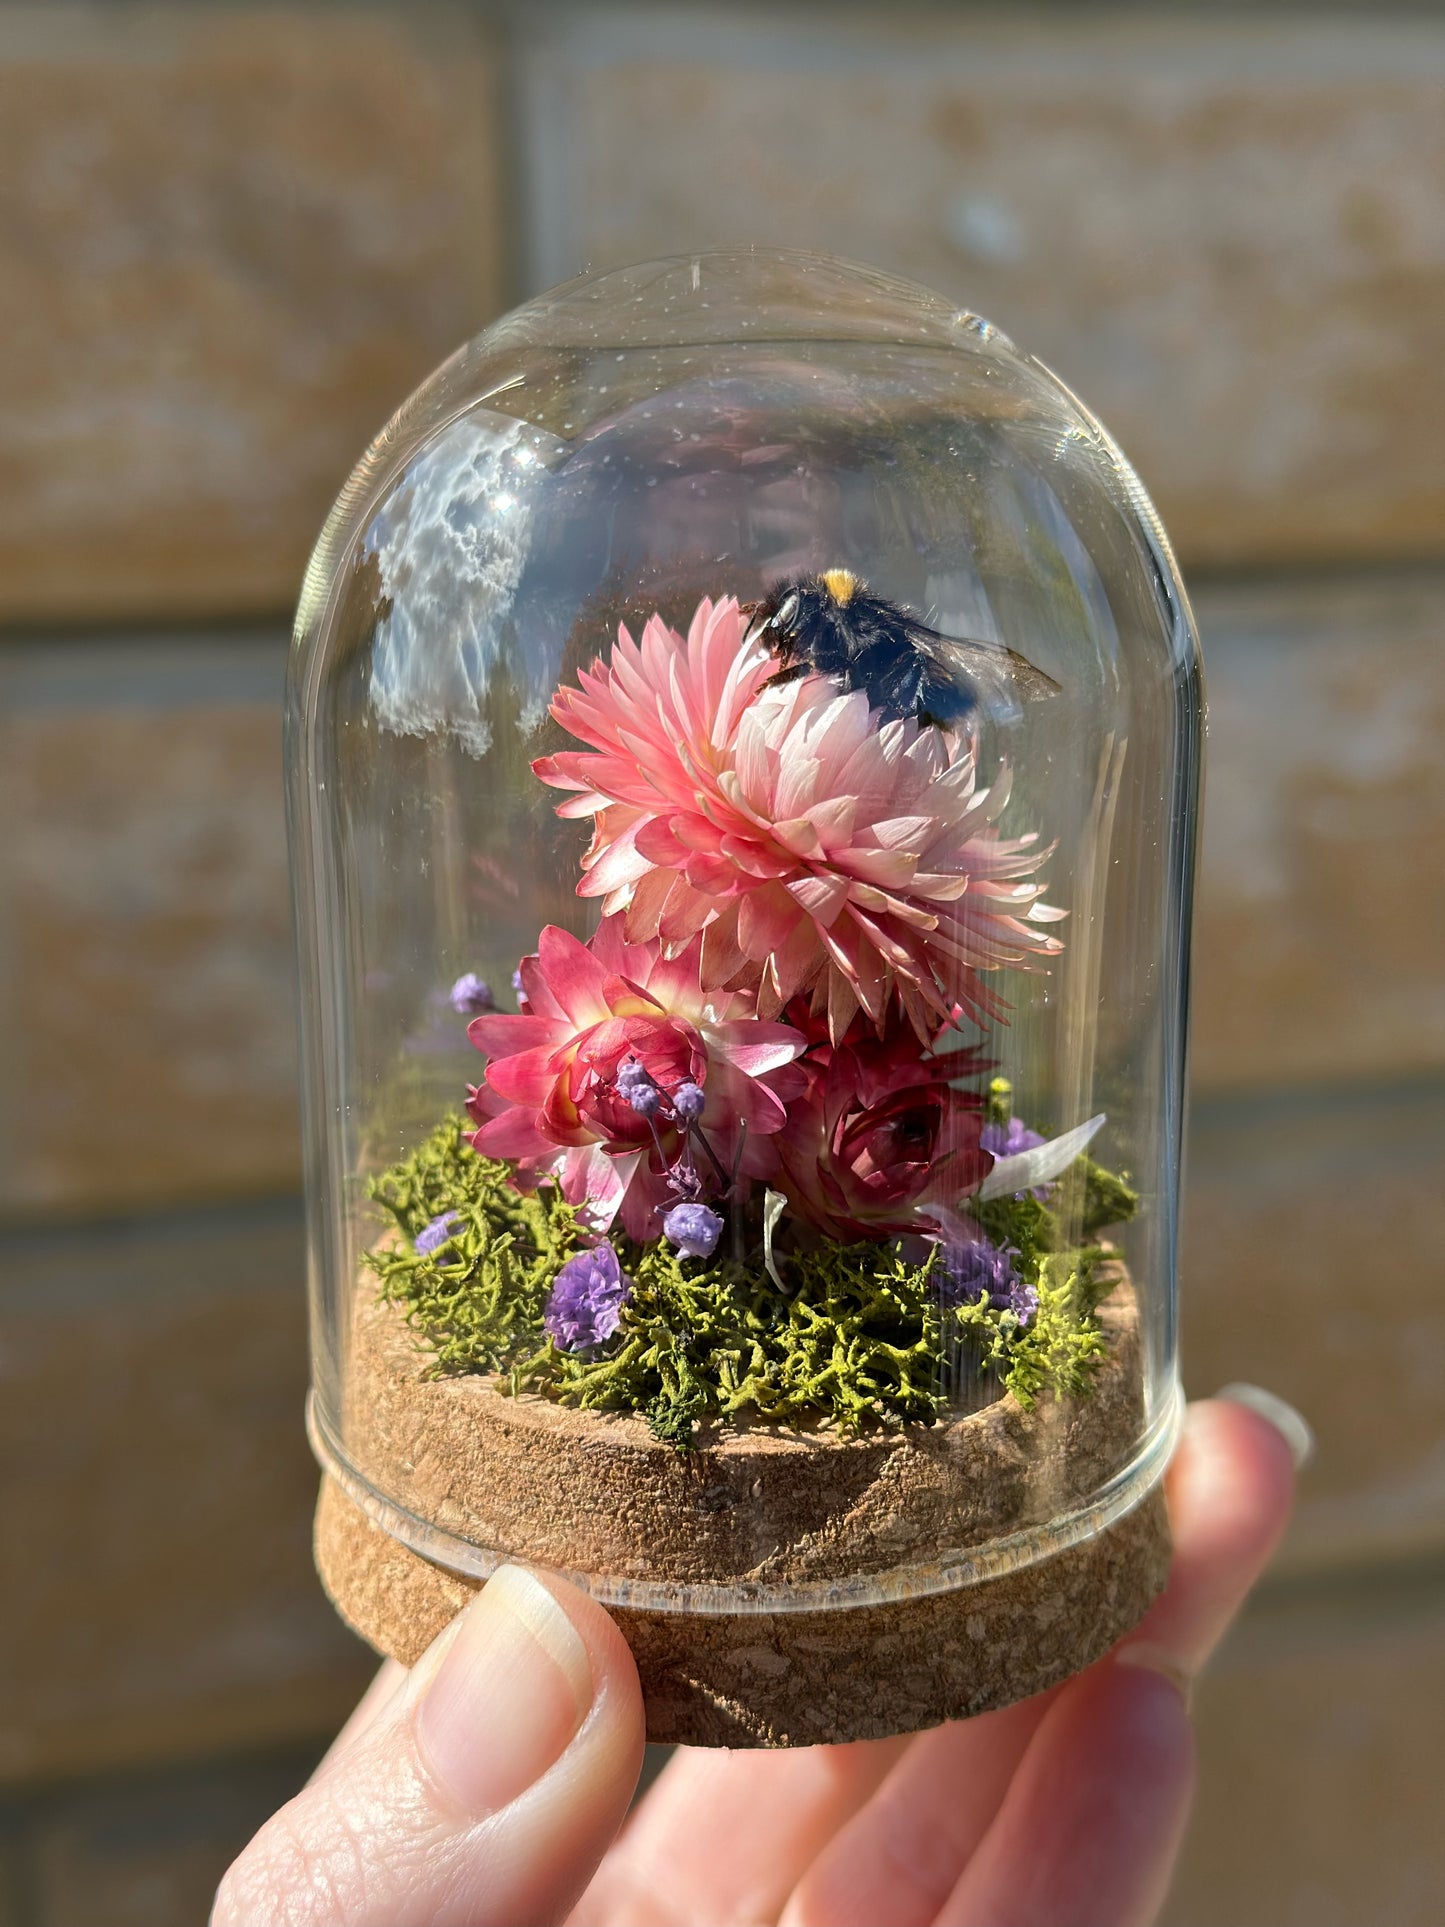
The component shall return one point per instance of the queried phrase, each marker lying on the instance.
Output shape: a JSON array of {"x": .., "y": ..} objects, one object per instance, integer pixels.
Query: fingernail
[
  {"x": 511, "y": 1690},
  {"x": 419, "y": 1679},
  {"x": 1292, "y": 1428},
  {"x": 1154, "y": 1659}
]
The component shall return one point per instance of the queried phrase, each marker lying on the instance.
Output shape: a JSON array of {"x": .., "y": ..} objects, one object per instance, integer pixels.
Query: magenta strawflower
[
  {"x": 581, "y": 1089},
  {"x": 881, "y": 1140},
  {"x": 810, "y": 849},
  {"x": 585, "y": 1303}
]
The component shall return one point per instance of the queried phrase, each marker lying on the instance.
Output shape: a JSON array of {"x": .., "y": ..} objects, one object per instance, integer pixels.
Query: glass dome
[{"x": 743, "y": 734}]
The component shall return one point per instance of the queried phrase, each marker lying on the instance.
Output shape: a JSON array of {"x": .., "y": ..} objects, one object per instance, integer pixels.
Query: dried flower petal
[
  {"x": 1040, "y": 1165},
  {"x": 1011, "y": 1140}
]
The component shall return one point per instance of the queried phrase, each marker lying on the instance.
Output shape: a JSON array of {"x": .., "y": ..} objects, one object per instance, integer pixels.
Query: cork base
[
  {"x": 750, "y": 1506},
  {"x": 802, "y": 1678}
]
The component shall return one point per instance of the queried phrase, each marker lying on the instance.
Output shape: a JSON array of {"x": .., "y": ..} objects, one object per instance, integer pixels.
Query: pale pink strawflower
[{"x": 813, "y": 849}]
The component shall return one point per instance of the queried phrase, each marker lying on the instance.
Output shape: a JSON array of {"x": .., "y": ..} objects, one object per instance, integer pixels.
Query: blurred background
[{"x": 232, "y": 238}]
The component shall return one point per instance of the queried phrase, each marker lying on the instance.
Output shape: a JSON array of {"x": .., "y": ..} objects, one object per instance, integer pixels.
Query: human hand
[{"x": 486, "y": 1787}]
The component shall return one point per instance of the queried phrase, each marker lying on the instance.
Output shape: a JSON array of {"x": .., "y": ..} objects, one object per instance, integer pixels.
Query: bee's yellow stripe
[{"x": 840, "y": 584}]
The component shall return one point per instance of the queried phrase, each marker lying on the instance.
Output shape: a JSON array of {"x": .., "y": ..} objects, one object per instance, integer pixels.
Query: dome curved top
[
  {"x": 740, "y": 294},
  {"x": 712, "y": 423},
  {"x": 731, "y": 308}
]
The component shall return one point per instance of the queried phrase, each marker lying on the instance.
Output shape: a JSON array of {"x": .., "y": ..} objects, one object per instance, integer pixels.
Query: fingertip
[
  {"x": 614, "y": 1670},
  {"x": 1233, "y": 1480},
  {"x": 532, "y": 1666},
  {"x": 1292, "y": 1425},
  {"x": 380, "y": 1697},
  {"x": 1133, "y": 1725},
  {"x": 484, "y": 1789},
  {"x": 1230, "y": 1489},
  {"x": 1138, "y": 1720},
  {"x": 1113, "y": 1768}
]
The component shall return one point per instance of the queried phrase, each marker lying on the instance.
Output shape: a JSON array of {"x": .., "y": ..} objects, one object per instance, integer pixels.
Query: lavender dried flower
[
  {"x": 693, "y": 1230},
  {"x": 1023, "y": 1300},
  {"x": 645, "y": 1098},
  {"x": 1008, "y": 1140},
  {"x": 586, "y": 1299},
  {"x": 471, "y": 995},
  {"x": 439, "y": 1232},
  {"x": 980, "y": 1271}
]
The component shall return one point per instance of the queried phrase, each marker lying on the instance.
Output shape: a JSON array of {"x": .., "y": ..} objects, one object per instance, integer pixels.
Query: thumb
[{"x": 483, "y": 1793}]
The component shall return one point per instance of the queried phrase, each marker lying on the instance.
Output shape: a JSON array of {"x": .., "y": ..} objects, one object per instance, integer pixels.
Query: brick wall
[{"x": 231, "y": 238}]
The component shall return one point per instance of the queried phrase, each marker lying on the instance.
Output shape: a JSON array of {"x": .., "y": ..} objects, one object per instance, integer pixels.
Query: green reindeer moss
[{"x": 854, "y": 1337}]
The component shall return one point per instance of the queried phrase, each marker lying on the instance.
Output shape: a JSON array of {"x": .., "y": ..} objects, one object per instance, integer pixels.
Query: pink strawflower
[
  {"x": 812, "y": 849},
  {"x": 881, "y": 1142},
  {"x": 608, "y": 1025}
]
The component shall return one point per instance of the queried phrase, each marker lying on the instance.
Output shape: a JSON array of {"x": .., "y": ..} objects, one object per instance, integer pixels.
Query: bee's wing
[{"x": 965, "y": 674}]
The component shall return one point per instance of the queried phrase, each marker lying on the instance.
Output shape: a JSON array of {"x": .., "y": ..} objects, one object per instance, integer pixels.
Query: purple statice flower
[
  {"x": 439, "y": 1232},
  {"x": 1008, "y": 1140},
  {"x": 981, "y": 1270},
  {"x": 689, "y": 1101},
  {"x": 644, "y": 1096},
  {"x": 1023, "y": 1300},
  {"x": 586, "y": 1299},
  {"x": 693, "y": 1229},
  {"x": 471, "y": 995}
]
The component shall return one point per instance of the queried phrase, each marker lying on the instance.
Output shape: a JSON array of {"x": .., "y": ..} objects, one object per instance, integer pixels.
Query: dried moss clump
[{"x": 854, "y": 1337}]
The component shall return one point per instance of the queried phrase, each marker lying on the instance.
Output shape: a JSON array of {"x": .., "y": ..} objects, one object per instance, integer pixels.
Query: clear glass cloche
[{"x": 744, "y": 734}]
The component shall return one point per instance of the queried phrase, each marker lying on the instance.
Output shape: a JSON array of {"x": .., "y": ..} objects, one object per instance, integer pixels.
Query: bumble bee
[{"x": 830, "y": 625}]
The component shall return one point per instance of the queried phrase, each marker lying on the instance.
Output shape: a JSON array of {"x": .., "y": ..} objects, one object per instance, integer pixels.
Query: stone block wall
[{"x": 232, "y": 238}]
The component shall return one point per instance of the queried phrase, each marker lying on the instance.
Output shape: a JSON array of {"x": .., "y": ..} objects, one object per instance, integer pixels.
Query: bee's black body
[{"x": 831, "y": 625}]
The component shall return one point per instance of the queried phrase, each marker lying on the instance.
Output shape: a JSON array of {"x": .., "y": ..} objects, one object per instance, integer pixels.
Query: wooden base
[{"x": 803, "y": 1678}]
